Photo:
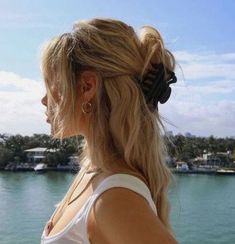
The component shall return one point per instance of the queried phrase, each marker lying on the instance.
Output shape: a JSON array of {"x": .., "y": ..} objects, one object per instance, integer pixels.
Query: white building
[
  {"x": 182, "y": 166},
  {"x": 37, "y": 154}
]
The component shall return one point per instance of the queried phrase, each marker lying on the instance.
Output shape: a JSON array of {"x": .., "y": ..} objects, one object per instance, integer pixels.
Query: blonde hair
[{"x": 122, "y": 125}]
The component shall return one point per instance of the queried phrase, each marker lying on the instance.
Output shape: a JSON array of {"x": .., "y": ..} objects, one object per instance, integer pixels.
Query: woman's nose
[{"x": 44, "y": 100}]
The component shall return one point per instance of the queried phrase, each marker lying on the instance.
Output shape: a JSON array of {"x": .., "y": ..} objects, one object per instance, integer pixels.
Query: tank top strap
[
  {"x": 122, "y": 180},
  {"x": 118, "y": 180}
]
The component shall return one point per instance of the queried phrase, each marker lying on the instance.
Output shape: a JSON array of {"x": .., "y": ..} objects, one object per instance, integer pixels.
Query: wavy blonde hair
[{"x": 122, "y": 125}]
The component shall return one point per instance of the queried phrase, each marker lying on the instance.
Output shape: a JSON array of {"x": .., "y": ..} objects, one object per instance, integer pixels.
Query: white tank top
[{"x": 76, "y": 230}]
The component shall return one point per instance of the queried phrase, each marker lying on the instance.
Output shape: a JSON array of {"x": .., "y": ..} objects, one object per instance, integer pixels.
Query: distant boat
[
  {"x": 225, "y": 171},
  {"x": 40, "y": 168}
]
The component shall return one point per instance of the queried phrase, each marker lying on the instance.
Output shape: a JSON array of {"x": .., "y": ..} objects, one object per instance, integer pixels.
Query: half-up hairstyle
[{"x": 123, "y": 125}]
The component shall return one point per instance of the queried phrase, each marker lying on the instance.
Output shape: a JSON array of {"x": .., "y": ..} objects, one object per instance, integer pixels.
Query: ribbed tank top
[{"x": 76, "y": 230}]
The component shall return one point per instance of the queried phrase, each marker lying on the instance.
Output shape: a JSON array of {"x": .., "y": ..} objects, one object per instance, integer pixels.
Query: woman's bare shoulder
[{"x": 123, "y": 216}]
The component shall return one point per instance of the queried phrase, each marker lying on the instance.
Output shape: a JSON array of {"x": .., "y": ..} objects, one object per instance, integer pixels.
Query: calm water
[{"x": 203, "y": 206}]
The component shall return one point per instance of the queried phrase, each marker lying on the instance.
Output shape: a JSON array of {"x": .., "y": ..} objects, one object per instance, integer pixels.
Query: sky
[{"x": 201, "y": 35}]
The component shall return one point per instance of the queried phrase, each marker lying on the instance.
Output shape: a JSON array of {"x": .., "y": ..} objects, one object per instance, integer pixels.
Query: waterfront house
[
  {"x": 220, "y": 159},
  {"x": 37, "y": 154},
  {"x": 182, "y": 166}
]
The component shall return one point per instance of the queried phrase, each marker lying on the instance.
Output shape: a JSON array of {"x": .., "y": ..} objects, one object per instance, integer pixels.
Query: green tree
[
  {"x": 52, "y": 159},
  {"x": 6, "y": 156},
  {"x": 17, "y": 144}
]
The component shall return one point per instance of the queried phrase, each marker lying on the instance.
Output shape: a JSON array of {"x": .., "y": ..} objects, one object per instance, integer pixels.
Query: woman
[{"x": 104, "y": 82}]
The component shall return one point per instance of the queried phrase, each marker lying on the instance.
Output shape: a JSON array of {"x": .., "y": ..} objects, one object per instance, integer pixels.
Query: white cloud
[
  {"x": 206, "y": 66},
  {"x": 212, "y": 119},
  {"x": 203, "y": 99},
  {"x": 20, "y": 107},
  {"x": 14, "y": 82},
  {"x": 203, "y": 103},
  {"x": 208, "y": 88},
  {"x": 204, "y": 57}
]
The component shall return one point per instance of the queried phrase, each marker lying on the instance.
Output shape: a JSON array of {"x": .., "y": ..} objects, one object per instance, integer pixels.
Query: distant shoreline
[
  {"x": 221, "y": 171},
  {"x": 31, "y": 168}
]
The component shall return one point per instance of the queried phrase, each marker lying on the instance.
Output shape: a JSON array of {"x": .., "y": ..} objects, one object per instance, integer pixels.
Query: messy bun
[
  {"x": 153, "y": 49},
  {"x": 158, "y": 70}
]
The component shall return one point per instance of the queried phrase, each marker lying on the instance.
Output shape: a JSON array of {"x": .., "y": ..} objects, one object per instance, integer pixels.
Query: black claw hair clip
[{"x": 156, "y": 85}]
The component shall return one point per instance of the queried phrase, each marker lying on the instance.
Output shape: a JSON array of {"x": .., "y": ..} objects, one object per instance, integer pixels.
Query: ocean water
[{"x": 202, "y": 206}]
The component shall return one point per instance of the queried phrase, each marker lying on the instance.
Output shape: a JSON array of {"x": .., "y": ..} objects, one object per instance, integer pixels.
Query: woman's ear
[{"x": 88, "y": 84}]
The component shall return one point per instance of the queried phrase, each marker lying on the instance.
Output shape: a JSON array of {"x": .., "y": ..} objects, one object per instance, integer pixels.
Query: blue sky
[{"x": 201, "y": 34}]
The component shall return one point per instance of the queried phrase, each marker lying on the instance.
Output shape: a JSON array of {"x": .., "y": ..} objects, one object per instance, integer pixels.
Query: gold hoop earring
[{"x": 86, "y": 108}]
